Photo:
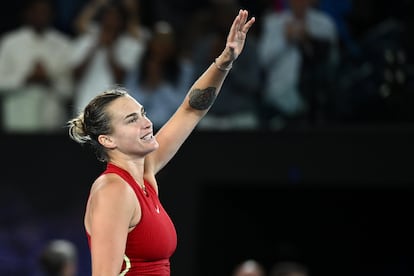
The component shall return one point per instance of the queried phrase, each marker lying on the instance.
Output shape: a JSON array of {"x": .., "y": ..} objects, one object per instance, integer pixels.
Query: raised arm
[{"x": 200, "y": 97}]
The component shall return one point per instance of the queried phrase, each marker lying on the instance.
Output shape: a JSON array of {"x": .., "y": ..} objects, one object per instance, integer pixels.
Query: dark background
[{"x": 338, "y": 199}]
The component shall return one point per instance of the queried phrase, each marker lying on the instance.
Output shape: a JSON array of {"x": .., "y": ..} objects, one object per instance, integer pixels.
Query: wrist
[{"x": 223, "y": 64}]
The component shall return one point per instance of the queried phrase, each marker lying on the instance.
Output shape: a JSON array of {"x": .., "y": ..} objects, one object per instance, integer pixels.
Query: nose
[{"x": 148, "y": 123}]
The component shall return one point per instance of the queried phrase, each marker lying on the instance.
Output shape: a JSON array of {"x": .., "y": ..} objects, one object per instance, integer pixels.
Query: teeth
[{"x": 147, "y": 137}]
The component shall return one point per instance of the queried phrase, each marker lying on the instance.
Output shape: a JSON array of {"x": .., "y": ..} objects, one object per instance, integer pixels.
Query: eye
[{"x": 133, "y": 119}]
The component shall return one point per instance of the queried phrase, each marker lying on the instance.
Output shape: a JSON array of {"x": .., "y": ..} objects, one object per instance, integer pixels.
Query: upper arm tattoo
[{"x": 202, "y": 99}]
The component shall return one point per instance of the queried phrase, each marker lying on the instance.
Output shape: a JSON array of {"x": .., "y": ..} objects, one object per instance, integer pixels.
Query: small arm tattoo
[{"x": 202, "y": 99}]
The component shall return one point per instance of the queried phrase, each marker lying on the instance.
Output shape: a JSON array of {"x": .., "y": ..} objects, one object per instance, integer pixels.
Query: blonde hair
[{"x": 77, "y": 130}]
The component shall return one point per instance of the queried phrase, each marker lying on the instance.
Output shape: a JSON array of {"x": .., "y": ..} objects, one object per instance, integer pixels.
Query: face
[
  {"x": 39, "y": 15},
  {"x": 132, "y": 130}
]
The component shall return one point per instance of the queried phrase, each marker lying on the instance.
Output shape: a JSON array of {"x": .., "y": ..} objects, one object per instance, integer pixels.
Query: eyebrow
[
  {"x": 134, "y": 113},
  {"x": 131, "y": 115}
]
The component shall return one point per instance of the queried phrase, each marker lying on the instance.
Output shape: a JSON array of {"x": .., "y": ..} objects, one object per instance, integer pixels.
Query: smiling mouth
[{"x": 147, "y": 137}]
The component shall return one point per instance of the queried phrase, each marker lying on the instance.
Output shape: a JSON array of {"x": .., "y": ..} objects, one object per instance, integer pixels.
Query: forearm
[
  {"x": 200, "y": 97},
  {"x": 195, "y": 105},
  {"x": 206, "y": 88}
]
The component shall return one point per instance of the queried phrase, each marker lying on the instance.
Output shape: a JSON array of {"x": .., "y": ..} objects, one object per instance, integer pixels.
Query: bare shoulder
[
  {"x": 110, "y": 187},
  {"x": 111, "y": 199}
]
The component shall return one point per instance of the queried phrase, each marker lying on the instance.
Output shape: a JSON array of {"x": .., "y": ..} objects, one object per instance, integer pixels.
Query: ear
[{"x": 106, "y": 141}]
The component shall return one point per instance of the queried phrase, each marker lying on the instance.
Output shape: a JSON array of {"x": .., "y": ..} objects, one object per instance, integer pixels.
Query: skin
[{"x": 113, "y": 209}]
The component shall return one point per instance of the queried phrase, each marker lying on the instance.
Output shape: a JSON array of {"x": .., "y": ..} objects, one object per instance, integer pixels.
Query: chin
[{"x": 154, "y": 145}]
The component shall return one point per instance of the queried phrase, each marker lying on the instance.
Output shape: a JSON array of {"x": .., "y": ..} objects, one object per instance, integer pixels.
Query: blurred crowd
[{"x": 306, "y": 63}]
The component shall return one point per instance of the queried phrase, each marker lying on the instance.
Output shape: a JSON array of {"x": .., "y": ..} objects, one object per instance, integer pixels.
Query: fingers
[
  {"x": 247, "y": 26},
  {"x": 234, "y": 27},
  {"x": 240, "y": 23},
  {"x": 243, "y": 17},
  {"x": 240, "y": 20},
  {"x": 243, "y": 24}
]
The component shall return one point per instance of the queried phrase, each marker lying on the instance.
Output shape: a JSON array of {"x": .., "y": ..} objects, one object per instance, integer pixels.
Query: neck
[{"x": 134, "y": 168}]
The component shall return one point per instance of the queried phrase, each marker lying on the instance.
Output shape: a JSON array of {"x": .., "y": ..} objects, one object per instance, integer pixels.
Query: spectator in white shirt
[
  {"x": 104, "y": 51},
  {"x": 35, "y": 79},
  {"x": 291, "y": 41}
]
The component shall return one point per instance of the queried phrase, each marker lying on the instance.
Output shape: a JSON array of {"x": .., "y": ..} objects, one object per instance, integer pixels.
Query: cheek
[
  {"x": 130, "y": 137},
  {"x": 126, "y": 137}
]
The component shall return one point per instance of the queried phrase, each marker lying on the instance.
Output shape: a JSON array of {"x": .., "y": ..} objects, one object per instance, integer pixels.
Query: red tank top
[{"x": 152, "y": 242}]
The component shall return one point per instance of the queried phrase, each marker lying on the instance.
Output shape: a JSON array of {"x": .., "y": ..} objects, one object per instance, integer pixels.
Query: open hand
[{"x": 237, "y": 34}]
